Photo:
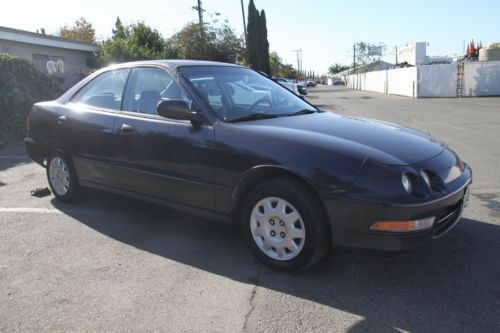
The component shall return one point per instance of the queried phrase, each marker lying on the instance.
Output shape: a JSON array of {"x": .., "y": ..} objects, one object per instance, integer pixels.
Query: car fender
[{"x": 260, "y": 173}]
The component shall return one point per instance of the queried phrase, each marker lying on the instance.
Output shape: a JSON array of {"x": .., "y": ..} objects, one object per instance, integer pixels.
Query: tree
[
  {"x": 257, "y": 43},
  {"x": 82, "y": 31},
  {"x": 211, "y": 41},
  {"x": 336, "y": 68},
  {"x": 265, "y": 44},
  {"x": 119, "y": 31},
  {"x": 135, "y": 42},
  {"x": 278, "y": 68},
  {"x": 253, "y": 37}
]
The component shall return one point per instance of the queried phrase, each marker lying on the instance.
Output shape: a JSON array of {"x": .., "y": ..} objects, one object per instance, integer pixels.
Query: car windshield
[{"x": 241, "y": 94}]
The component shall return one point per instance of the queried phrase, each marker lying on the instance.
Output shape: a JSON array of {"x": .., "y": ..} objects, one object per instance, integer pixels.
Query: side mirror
[
  {"x": 179, "y": 110},
  {"x": 173, "y": 109}
]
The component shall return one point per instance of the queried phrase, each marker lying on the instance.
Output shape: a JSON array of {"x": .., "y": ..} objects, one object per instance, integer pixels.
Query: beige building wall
[{"x": 72, "y": 60}]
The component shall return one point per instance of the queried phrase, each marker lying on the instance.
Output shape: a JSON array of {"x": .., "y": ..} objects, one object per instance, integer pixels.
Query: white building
[
  {"x": 52, "y": 55},
  {"x": 413, "y": 53}
]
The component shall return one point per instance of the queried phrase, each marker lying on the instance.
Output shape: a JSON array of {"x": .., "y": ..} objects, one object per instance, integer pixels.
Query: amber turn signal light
[{"x": 403, "y": 226}]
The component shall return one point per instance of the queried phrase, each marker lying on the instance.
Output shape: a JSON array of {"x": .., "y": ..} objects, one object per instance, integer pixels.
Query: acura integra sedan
[{"x": 225, "y": 142}]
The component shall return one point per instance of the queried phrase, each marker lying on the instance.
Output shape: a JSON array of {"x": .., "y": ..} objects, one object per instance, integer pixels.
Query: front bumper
[{"x": 357, "y": 217}]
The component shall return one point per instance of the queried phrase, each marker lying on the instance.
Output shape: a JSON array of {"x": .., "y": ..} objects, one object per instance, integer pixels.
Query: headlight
[
  {"x": 407, "y": 184},
  {"x": 426, "y": 178}
]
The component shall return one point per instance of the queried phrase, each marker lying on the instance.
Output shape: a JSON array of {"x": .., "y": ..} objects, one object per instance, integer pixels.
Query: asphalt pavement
[{"x": 109, "y": 263}]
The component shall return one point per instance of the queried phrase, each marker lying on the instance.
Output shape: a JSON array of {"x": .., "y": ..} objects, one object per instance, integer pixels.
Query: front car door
[
  {"x": 86, "y": 124},
  {"x": 160, "y": 157}
]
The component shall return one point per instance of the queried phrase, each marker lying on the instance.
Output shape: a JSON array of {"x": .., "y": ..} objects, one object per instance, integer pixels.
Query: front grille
[{"x": 447, "y": 218}]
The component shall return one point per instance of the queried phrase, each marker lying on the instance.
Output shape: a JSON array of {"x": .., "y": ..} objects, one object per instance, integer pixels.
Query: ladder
[{"x": 460, "y": 78}]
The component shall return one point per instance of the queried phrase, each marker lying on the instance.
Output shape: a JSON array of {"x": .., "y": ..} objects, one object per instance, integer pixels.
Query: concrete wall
[
  {"x": 374, "y": 81},
  {"x": 482, "y": 79},
  {"x": 437, "y": 80},
  {"x": 402, "y": 81},
  {"x": 351, "y": 81},
  {"x": 73, "y": 59}
]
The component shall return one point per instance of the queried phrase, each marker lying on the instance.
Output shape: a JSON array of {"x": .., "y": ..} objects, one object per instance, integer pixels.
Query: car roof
[
  {"x": 174, "y": 63},
  {"x": 170, "y": 63}
]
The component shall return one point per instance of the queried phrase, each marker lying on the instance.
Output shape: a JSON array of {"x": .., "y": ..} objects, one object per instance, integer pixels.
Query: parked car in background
[
  {"x": 225, "y": 142},
  {"x": 338, "y": 83},
  {"x": 297, "y": 88},
  {"x": 302, "y": 88},
  {"x": 311, "y": 83}
]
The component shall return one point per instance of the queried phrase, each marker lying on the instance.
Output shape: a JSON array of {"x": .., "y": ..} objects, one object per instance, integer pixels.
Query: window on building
[{"x": 51, "y": 65}]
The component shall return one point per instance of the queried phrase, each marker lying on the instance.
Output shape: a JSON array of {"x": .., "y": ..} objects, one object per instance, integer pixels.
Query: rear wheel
[
  {"x": 284, "y": 225},
  {"x": 62, "y": 177}
]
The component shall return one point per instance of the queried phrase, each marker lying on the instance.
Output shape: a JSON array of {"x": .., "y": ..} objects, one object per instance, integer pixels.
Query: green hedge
[{"x": 21, "y": 85}]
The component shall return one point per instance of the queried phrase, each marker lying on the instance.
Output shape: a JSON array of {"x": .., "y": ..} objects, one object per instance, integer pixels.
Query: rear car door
[
  {"x": 85, "y": 126},
  {"x": 161, "y": 157}
]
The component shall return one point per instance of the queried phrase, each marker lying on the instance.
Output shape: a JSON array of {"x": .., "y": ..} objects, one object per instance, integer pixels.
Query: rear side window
[
  {"x": 105, "y": 91},
  {"x": 146, "y": 87}
]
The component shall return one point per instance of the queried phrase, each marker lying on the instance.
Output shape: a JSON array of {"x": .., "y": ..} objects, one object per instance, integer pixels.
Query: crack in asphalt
[{"x": 250, "y": 300}]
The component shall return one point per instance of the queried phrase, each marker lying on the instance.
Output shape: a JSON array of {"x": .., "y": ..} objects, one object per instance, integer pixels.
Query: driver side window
[{"x": 146, "y": 87}]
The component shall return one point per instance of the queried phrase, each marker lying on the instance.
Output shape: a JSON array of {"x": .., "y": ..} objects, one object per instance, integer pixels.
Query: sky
[{"x": 325, "y": 30}]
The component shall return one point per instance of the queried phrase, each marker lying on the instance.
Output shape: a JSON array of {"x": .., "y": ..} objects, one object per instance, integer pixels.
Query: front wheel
[
  {"x": 62, "y": 177},
  {"x": 285, "y": 225}
]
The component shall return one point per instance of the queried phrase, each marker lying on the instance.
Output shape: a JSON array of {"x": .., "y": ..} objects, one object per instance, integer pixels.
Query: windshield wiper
[
  {"x": 304, "y": 111},
  {"x": 253, "y": 116}
]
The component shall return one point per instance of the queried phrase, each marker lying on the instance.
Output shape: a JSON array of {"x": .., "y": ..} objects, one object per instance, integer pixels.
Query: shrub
[{"x": 21, "y": 85}]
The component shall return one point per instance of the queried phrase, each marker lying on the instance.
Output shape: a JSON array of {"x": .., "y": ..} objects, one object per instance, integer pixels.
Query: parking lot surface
[{"x": 109, "y": 263}]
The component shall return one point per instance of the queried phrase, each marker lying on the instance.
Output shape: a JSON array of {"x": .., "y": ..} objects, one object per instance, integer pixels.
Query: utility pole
[
  {"x": 200, "y": 11},
  {"x": 299, "y": 62},
  {"x": 354, "y": 57},
  {"x": 244, "y": 22},
  {"x": 396, "y": 56}
]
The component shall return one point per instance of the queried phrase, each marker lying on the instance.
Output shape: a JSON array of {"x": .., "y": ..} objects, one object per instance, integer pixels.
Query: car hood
[{"x": 382, "y": 141}]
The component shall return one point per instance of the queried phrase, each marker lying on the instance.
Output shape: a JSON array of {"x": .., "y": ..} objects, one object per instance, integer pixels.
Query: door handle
[
  {"x": 127, "y": 128},
  {"x": 61, "y": 119}
]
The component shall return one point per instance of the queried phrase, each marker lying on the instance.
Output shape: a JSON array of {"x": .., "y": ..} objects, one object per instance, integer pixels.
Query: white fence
[
  {"x": 402, "y": 81},
  {"x": 374, "y": 81},
  {"x": 480, "y": 79},
  {"x": 437, "y": 81}
]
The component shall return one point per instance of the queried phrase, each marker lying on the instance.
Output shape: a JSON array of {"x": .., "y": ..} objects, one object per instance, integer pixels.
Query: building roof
[
  {"x": 374, "y": 66},
  {"x": 28, "y": 37}
]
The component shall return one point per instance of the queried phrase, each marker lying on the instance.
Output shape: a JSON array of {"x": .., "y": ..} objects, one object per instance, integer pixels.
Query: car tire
[
  {"x": 62, "y": 177},
  {"x": 284, "y": 225}
]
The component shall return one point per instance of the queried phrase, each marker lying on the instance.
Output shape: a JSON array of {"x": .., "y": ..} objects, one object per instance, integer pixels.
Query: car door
[
  {"x": 85, "y": 126},
  {"x": 160, "y": 157}
]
